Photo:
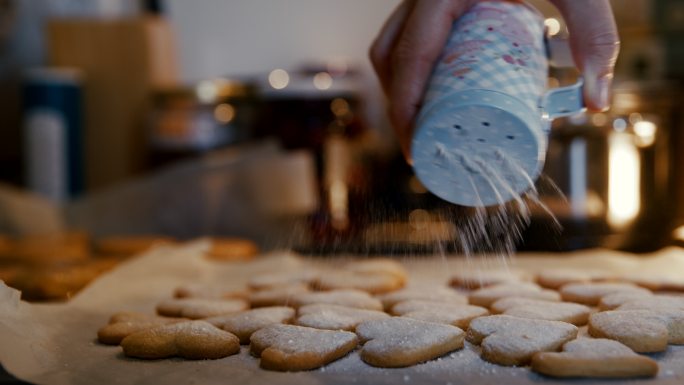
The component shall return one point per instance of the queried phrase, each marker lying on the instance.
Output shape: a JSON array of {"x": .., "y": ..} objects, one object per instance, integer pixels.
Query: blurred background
[{"x": 263, "y": 120}]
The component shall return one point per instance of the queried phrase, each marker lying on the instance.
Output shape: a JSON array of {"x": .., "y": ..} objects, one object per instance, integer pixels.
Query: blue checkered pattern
[{"x": 495, "y": 46}]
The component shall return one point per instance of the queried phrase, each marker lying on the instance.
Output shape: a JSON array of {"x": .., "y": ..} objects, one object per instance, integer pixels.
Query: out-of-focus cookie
[
  {"x": 486, "y": 296},
  {"x": 591, "y": 293},
  {"x": 612, "y": 301},
  {"x": 123, "y": 324},
  {"x": 295, "y": 348},
  {"x": 194, "y": 340},
  {"x": 459, "y": 315},
  {"x": 379, "y": 266},
  {"x": 426, "y": 292},
  {"x": 399, "y": 342},
  {"x": 350, "y": 298},
  {"x": 232, "y": 249},
  {"x": 656, "y": 302},
  {"x": 594, "y": 357},
  {"x": 282, "y": 278},
  {"x": 475, "y": 279},
  {"x": 508, "y": 340},
  {"x": 125, "y": 246},
  {"x": 50, "y": 249},
  {"x": 644, "y": 331},
  {"x": 335, "y": 317},
  {"x": 246, "y": 323},
  {"x": 199, "y": 290},
  {"x": 277, "y": 295},
  {"x": 573, "y": 313},
  {"x": 374, "y": 283},
  {"x": 197, "y": 308},
  {"x": 557, "y": 278},
  {"x": 663, "y": 281}
]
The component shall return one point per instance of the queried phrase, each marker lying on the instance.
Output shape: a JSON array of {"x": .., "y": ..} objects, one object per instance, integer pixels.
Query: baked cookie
[
  {"x": 644, "y": 331},
  {"x": 294, "y": 348},
  {"x": 508, "y": 340},
  {"x": 557, "y": 278},
  {"x": 126, "y": 246},
  {"x": 426, "y": 292},
  {"x": 456, "y": 315},
  {"x": 124, "y": 324},
  {"x": 277, "y": 295},
  {"x": 612, "y": 301},
  {"x": 573, "y": 313},
  {"x": 374, "y": 283},
  {"x": 399, "y": 342},
  {"x": 232, "y": 249},
  {"x": 655, "y": 302},
  {"x": 591, "y": 293},
  {"x": 350, "y": 298},
  {"x": 282, "y": 278},
  {"x": 379, "y": 266},
  {"x": 196, "y": 308},
  {"x": 194, "y": 340},
  {"x": 244, "y": 324},
  {"x": 199, "y": 290},
  {"x": 594, "y": 357},
  {"x": 482, "y": 278},
  {"x": 335, "y": 317},
  {"x": 486, "y": 296},
  {"x": 656, "y": 282}
]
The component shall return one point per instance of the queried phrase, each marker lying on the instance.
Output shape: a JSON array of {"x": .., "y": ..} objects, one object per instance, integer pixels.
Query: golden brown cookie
[
  {"x": 655, "y": 302},
  {"x": 556, "y": 278},
  {"x": 591, "y": 293},
  {"x": 335, "y": 317},
  {"x": 123, "y": 324},
  {"x": 374, "y": 283},
  {"x": 508, "y": 340},
  {"x": 593, "y": 357},
  {"x": 350, "y": 298},
  {"x": 283, "y": 278},
  {"x": 486, "y": 296},
  {"x": 196, "y": 308},
  {"x": 398, "y": 342},
  {"x": 232, "y": 249},
  {"x": 193, "y": 340},
  {"x": 215, "y": 291},
  {"x": 294, "y": 348},
  {"x": 379, "y": 266},
  {"x": 569, "y": 312},
  {"x": 427, "y": 292},
  {"x": 475, "y": 279},
  {"x": 277, "y": 295},
  {"x": 612, "y": 301},
  {"x": 644, "y": 331},
  {"x": 127, "y": 245},
  {"x": 244, "y": 324},
  {"x": 456, "y": 315}
]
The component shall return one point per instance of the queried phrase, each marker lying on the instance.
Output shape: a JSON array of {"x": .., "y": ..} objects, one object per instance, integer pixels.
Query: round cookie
[
  {"x": 614, "y": 300},
  {"x": 374, "y": 283},
  {"x": 591, "y": 293}
]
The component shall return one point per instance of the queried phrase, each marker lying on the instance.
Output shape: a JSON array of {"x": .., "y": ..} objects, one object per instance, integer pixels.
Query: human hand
[{"x": 414, "y": 36}]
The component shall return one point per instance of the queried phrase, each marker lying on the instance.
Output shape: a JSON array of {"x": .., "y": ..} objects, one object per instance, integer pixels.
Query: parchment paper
[{"x": 55, "y": 344}]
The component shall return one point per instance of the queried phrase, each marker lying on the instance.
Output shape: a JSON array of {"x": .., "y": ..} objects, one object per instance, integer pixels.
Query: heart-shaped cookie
[
  {"x": 350, "y": 298},
  {"x": 427, "y": 293},
  {"x": 194, "y": 340},
  {"x": 196, "y": 308},
  {"x": 399, "y": 342},
  {"x": 590, "y": 293},
  {"x": 614, "y": 300},
  {"x": 574, "y": 313},
  {"x": 645, "y": 331},
  {"x": 124, "y": 324},
  {"x": 508, "y": 340},
  {"x": 594, "y": 357},
  {"x": 458, "y": 315},
  {"x": 486, "y": 296},
  {"x": 198, "y": 290},
  {"x": 294, "y": 348},
  {"x": 277, "y": 295},
  {"x": 244, "y": 324},
  {"x": 335, "y": 317}
]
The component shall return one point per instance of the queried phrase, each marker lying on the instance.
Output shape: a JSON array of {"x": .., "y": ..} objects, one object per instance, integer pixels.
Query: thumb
[{"x": 595, "y": 46}]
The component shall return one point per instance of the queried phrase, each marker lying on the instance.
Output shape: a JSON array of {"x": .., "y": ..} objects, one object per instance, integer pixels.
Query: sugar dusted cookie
[
  {"x": 294, "y": 348},
  {"x": 124, "y": 324},
  {"x": 663, "y": 281},
  {"x": 612, "y": 301},
  {"x": 196, "y": 308},
  {"x": 282, "y": 278},
  {"x": 244, "y": 324},
  {"x": 413, "y": 305},
  {"x": 399, "y": 342},
  {"x": 232, "y": 249},
  {"x": 379, "y": 265},
  {"x": 429, "y": 293},
  {"x": 656, "y": 302},
  {"x": 350, "y": 298},
  {"x": 277, "y": 295},
  {"x": 556, "y": 278},
  {"x": 335, "y": 317},
  {"x": 508, "y": 340},
  {"x": 591, "y": 293},
  {"x": 594, "y": 357},
  {"x": 645, "y": 331},
  {"x": 374, "y": 283},
  {"x": 490, "y": 294},
  {"x": 458, "y": 315},
  {"x": 573, "y": 313},
  {"x": 475, "y": 279},
  {"x": 208, "y": 291},
  {"x": 194, "y": 340}
]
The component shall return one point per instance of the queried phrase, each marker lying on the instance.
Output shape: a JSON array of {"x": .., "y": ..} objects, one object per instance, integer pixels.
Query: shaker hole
[
  {"x": 457, "y": 126},
  {"x": 511, "y": 137},
  {"x": 486, "y": 124},
  {"x": 481, "y": 140}
]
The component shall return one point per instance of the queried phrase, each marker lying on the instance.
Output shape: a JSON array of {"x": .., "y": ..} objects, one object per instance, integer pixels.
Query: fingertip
[{"x": 597, "y": 92}]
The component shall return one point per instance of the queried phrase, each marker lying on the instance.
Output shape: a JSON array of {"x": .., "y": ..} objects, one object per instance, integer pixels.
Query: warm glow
[
  {"x": 224, "y": 113},
  {"x": 599, "y": 120},
  {"x": 553, "y": 26},
  {"x": 339, "y": 107},
  {"x": 678, "y": 233},
  {"x": 418, "y": 219},
  {"x": 645, "y": 132},
  {"x": 339, "y": 204},
  {"x": 206, "y": 91},
  {"x": 623, "y": 180},
  {"x": 322, "y": 81},
  {"x": 278, "y": 79}
]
